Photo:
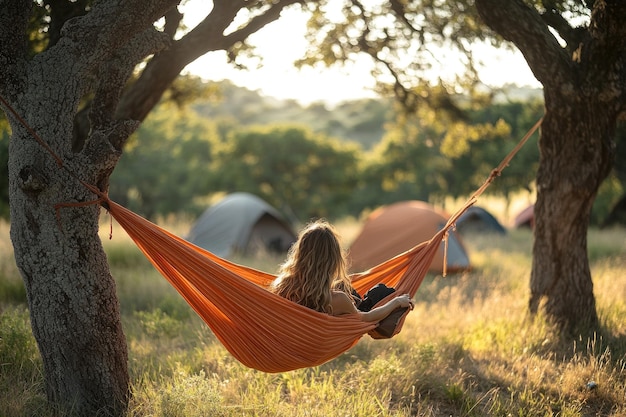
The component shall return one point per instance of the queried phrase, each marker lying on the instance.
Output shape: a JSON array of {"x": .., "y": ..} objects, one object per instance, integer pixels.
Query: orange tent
[{"x": 396, "y": 228}]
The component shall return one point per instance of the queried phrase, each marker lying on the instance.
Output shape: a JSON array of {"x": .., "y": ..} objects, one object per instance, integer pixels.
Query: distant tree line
[
  {"x": 193, "y": 154},
  {"x": 190, "y": 157}
]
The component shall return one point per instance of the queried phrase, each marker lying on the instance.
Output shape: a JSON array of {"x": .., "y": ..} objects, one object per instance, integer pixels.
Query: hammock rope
[{"x": 260, "y": 329}]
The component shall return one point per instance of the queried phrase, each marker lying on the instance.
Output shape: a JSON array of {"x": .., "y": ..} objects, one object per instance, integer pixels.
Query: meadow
[{"x": 468, "y": 349}]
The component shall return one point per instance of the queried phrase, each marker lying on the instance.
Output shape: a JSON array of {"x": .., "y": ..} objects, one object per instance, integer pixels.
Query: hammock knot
[{"x": 103, "y": 200}]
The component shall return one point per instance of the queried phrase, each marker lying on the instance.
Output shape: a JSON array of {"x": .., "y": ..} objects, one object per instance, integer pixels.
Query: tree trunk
[
  {"x": 575, "y": 158},
  {"x": 583, "y": 90},
  {"x": 71, "y": 294}
]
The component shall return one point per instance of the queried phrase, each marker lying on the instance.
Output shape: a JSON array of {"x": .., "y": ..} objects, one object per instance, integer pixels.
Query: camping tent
[
  {"x": 526, "y": 218},
  {"x": 393, "y": 229},
  {"x": 477, "y": 219},
  {"x": 241, "y": 223}
]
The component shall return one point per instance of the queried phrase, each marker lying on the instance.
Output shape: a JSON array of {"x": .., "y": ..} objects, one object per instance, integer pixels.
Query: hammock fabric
[{"x": 260, "y": 329}]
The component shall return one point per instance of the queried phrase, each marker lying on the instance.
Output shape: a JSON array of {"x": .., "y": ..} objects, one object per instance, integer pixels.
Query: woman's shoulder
[
  {"x": 342, "y": 303},
  {"x": 339, "y": 295}
]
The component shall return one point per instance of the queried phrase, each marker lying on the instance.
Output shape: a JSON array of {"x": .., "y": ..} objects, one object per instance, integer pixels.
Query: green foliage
[
  {"x": 406, "y": 165},
  {"x": 609, "y": 194},
  {"x": 360, "y": 121},
  {"x": 426, "y": 158},
  {"x": 307, "y": 174},
  {"x": 187, "y": 89},
  {"x": 178, "y": 161},
  {"x": 610, "y": 205},
  {"x": 620, "y": 153},
  {"x": 167, "y": 164},
  {"x": 293, "y": 169},
  {"x": 476, "y": 148}
]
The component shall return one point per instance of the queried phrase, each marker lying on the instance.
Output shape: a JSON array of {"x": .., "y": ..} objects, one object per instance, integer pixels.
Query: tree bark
[
  {"x": 575, "y": 159},
  {"x": 74, "y": 311},
  {"x": 71, "y": 294},
  {"x": 583, "y": 90}
]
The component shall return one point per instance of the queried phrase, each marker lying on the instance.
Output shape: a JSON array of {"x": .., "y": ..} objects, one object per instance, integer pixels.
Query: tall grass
[{"x": 468, "y": 349}]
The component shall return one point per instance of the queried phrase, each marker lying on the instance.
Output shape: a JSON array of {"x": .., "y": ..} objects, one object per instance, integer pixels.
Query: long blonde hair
[{"x": 314, "y": 267}]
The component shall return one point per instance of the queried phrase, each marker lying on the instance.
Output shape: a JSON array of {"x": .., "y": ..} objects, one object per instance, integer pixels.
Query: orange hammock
[{"x": 260, "y": 329}]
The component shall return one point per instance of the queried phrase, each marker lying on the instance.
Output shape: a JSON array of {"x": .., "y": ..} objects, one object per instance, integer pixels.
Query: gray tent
[
  {"x": 477, "y": 219},
  {"x": 241, "y": 223}
]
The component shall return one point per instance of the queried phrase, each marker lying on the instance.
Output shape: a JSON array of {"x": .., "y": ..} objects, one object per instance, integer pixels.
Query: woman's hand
[
  {"x": 379, "y": 313},
  {"x": 404, "y": 300}
]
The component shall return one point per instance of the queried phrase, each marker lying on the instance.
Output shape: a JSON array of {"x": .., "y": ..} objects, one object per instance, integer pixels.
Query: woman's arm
[
  {"x": 379, "y": 313},
  {"x": 342, "y": 304}
]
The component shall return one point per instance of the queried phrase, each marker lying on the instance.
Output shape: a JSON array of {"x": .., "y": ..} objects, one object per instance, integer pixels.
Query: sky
[{"x": 282, "y": 42}]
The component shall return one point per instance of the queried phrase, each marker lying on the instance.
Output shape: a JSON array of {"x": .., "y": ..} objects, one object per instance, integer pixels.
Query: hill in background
[{"x": 361, "y": 121}]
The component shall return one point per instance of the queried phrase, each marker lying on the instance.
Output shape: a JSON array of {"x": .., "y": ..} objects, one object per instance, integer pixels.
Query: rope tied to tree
[{"x": 103, "y": 197}]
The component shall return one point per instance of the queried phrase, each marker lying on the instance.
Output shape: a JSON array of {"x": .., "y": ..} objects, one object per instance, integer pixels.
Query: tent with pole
[{"x": 393, "y": 229}]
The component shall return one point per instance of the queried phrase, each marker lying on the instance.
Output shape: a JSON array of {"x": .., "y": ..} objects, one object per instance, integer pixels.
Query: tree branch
[
  {"x": 112, "y": 25},
  {"x": 554, "y": 19},
  {"x": 61, "y": 12},
  {"x": 207, "y": 36},
  {"x": 172, "y": 21},
  {"x": 118, "y": 70},
  {"x": 522, "y": 25},
  {"x": 111, "y": 81},
  {"x": 608, "y": 47},
  {"x": 124, "y": 39},
  {"x": 270, "y": 15}
]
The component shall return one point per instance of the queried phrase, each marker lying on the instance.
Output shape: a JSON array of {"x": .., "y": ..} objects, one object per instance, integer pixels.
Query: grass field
[{"x": 468, "y": 349}]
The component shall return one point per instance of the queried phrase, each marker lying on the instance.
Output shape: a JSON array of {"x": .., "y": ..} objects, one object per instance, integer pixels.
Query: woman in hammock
[{"x": 314, "y": 275}]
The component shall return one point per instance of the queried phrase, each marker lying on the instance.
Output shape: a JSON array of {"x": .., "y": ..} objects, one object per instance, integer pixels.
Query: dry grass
[{"x": 468, "y": 349}]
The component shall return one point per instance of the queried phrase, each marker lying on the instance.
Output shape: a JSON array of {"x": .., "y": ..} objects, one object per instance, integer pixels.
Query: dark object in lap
[{"x": 387, "y": 326}]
